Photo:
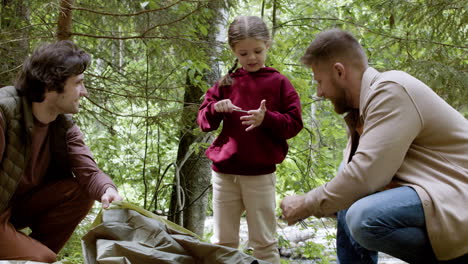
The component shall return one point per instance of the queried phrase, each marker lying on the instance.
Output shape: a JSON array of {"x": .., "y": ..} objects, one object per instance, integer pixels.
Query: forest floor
[{"x": 313, "y": 244}]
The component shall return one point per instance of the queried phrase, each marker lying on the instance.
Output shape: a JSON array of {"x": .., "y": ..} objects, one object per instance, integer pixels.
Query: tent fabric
[{"x": 126, "y": 234}]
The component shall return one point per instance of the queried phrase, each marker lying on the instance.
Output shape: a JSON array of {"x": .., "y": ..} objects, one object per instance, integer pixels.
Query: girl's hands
[
  {"x": 225, "y": 106},
  {"x": 255, "y": 117}
]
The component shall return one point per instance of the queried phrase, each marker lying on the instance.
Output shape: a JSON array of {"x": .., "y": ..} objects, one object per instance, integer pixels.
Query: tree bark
[
  {"x": 194, "y": 168},
  {"x": 274, "y": 22},
  {"x": 64, "y": 23}
]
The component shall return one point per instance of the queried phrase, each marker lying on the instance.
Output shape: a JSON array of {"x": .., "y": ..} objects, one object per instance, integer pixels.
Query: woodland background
[{"x": 153, "y": 61}]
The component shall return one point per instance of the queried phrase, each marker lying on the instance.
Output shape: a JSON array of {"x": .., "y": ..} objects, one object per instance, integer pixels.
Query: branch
[
  {"x": 121, "y": 38},
  {"x": 136, "y": 96},
  {"x": 172, "y": 22},
  {"x": 160, "y": 115},
  {"x": 30, "y": 26},
  {"x": 128, "y": 15},
  {"x": 185, "y": 38},
  {"x": 208, "y": 187},
  {"x": 373, "y": 31},
  {"x": 12, "y": 70},
  {"x": 22, "y": 39}
]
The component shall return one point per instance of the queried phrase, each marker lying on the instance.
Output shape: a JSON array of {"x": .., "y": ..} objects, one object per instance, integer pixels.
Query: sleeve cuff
[
  {"x": 311, "y": 202},
  {"x": 268, "y": 119}
]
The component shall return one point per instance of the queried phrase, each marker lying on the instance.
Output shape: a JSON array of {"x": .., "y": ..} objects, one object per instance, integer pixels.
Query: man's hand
[
  {"x": 109, "y": 196},
  {"x": 294, "y": 209},
  {"x": 255, "y": 117}
]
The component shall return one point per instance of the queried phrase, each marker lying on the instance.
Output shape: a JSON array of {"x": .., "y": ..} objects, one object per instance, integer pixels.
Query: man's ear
[{"x": 340, "y": 70}]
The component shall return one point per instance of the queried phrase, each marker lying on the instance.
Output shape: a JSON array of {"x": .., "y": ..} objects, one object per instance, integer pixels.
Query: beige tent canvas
[{"x": 127, "y": 234}]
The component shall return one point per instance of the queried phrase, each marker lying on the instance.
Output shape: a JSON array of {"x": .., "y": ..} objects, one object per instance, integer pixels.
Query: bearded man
[{"x": 402, "y": 188}]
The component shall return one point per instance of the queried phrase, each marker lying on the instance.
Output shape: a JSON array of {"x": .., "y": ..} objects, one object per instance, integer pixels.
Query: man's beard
[{"x": 340, "y": 102}]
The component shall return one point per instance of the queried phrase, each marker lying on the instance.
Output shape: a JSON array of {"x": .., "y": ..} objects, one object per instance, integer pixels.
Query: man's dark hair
[{"x": 49, "y": 67}]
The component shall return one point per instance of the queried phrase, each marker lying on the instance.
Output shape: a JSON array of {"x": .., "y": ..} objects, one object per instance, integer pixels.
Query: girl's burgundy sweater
[{"x": 256, "y": 152}]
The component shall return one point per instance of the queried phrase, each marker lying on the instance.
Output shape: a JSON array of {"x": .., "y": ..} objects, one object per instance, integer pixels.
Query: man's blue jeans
[{"x": 391, "y": 221}]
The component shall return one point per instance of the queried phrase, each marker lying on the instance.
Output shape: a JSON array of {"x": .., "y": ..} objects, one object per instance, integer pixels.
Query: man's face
[
  {"x": 68, "y": 102},
  {"x": 330, "y": 87}
]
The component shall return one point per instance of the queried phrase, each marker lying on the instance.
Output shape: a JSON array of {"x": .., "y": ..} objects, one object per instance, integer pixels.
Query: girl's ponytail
[{"x": 227, "y": 80}]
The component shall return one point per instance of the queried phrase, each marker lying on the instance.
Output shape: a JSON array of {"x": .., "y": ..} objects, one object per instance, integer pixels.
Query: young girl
[{"x": 260, "y": 110}]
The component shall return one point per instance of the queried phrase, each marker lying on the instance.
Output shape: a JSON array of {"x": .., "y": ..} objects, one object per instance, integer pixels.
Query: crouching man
[
  {"x": 403, "y": 186},
  {"x": 48, "y": 178}
]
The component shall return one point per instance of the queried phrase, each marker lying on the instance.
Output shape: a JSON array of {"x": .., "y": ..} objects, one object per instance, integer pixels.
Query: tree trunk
[
  {"x": 14, "y": 17},
  {"x": 274, "y": 22},
  {"x": 64, "y": 23},
  {"x": 194, "y": 170}
]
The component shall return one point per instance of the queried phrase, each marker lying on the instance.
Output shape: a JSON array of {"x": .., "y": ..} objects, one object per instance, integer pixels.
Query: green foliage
[
  {"x": 313, "y": 250},
  {"x": 144, "y": 51}
]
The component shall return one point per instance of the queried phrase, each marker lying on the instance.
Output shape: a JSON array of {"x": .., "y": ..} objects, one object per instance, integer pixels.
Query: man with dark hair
[
  {"x": 48, "y": 178},
  {"x": 404, "y": 177}
]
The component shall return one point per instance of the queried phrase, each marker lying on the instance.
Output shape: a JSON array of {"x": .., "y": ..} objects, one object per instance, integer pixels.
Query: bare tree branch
[
  {"x": 157, "y": 116},
  {"x": 172, "y": 22},
  {"x": 372, "y": 31},
  {"x": 131, "y": 14}
]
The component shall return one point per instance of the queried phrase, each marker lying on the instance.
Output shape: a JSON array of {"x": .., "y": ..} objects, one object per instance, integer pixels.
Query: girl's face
[{"x": 251, "y": 53}]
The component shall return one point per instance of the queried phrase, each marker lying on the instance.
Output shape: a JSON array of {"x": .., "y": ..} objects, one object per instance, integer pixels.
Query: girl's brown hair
[{"x": 241, "y": 28}]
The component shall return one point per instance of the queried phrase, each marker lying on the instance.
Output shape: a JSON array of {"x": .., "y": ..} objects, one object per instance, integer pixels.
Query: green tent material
[{"x": 125, "y": 234}]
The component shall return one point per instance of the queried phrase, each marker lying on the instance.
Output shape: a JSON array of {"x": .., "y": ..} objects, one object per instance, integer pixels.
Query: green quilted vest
[{"x": 18, "y": 125}]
